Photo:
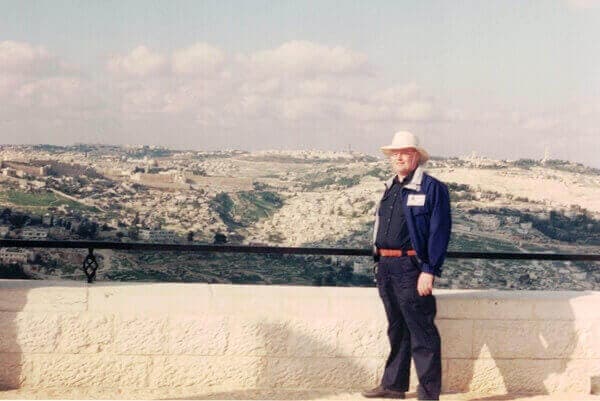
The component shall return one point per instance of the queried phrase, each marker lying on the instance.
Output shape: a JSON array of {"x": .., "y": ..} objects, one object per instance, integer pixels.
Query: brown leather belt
[{"x": 396, "y": 252}]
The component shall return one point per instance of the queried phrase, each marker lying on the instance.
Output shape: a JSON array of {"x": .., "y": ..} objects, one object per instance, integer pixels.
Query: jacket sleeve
[{"x": 440, "y": 225}]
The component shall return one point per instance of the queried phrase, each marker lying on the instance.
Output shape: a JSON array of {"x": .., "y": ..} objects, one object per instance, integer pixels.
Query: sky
[{"x": 504, "y": 79}]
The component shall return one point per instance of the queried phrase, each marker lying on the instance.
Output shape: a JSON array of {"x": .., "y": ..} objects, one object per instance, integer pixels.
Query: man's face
[{"x": 404, "y": 161}]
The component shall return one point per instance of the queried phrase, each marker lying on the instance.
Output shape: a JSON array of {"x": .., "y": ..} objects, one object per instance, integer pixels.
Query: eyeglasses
[{"x": 398, "y": 154}]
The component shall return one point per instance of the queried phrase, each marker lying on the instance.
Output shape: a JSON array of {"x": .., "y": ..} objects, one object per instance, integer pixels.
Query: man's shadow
[
  {"x": 305, "y": 358},
  {"x": 29, "y": 317},
  {"x": 15, "y": 340},
  {"x": 520, "y": 343}
]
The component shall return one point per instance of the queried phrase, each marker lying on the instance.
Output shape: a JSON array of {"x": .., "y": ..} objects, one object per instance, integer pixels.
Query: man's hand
[{"x": 425, "y": 284}]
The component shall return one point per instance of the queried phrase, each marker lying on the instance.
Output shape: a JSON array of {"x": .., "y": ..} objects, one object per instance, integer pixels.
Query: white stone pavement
[{"x": 200, "y": 394}]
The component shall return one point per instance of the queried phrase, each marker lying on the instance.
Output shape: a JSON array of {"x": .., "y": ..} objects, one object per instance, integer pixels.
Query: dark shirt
[{"x": 393, "y": 232}]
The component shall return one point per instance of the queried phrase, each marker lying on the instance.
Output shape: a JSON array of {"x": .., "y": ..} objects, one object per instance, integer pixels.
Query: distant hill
[{"x": 315, "y": 198}]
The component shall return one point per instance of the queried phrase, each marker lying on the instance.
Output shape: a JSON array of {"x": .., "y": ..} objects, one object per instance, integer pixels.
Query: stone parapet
[{"x": 241, "y": 337}]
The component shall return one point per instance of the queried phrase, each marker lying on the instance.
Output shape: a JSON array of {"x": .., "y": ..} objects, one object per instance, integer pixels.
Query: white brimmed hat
[{"x": 403, "y": 140}]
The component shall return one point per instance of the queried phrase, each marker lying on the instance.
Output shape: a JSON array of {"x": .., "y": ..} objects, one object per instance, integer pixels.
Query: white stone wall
[{"x": 239, "y": 337}]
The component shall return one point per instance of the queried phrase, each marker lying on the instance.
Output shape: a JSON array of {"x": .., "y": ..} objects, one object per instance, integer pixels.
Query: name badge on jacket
[{"x": 415, "y": 200}]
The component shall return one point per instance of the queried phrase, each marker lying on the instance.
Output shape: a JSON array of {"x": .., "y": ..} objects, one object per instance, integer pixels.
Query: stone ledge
[
  {"x": 33, "y": 295},
  {"x": 134, "y": 336}
]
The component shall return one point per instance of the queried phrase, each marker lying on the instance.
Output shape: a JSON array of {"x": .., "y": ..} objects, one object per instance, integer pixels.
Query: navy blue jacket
[{"x": 426, "y": 204}]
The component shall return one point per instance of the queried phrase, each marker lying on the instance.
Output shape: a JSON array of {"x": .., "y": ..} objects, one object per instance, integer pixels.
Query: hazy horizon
[{"x": 375, "y": 154}]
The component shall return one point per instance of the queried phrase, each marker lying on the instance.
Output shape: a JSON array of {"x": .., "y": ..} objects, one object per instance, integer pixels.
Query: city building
[
  {"x": 47, "y": 219},
  {"x": 157, "y": 235},
  {"x": 34, "y": 233},
  {"x": 15, "y": 255}
]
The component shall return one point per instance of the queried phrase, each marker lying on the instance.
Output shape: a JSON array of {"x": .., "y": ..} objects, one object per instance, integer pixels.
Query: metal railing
[{"x": 90, "y": 265}]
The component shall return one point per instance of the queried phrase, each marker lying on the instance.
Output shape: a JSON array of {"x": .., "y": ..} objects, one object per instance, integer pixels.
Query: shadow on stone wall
[
  {"x": 32, "y": 315},
  {"x": 595, "y": 384},
  {"x": 297, "y": 363},
  {"x": 12, "y": 301},
  {"x": 523, "y": 355}
]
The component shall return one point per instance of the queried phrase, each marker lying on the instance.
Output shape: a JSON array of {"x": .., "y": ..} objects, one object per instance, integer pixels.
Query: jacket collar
[{"x": 414, "y": 183}]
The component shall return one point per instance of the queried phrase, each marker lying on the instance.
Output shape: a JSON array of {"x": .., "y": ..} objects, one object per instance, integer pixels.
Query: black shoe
[{"x": 380, "y": 392}]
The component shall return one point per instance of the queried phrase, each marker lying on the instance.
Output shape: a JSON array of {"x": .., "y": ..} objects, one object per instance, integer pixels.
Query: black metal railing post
[{"x": 90, "y": 265}]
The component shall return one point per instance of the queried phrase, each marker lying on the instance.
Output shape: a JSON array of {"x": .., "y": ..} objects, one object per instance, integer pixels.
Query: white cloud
[
  {"x": 271, "y": 95},
  {"x": 298, "y": 94},
  {"x": 540, "y": 123},
  {"x": 7, "y": 85},
  {"x": 583, "y": 4},
  {"x": 140, "y": 62},
  {"x": 297, "y": 82},
  {"x": 303, "y": 58},
  {"x": 268, "y": 86},
  {"x": 146, "y": 99},
  {"x": 49, "y": 93},
  {"x": 199, "y": 59},
  {"x": 404, "y": 103},
  {"x": 23, "y": 59},
  {"x": 396, "y": 94},
  {"x": 316, "y": 87},
  {"x": 417, "y": 110},
  {"x": 37, "y": 89}
]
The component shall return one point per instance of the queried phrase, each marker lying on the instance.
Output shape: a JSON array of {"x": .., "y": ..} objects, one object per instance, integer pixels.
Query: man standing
[{"x": 410, "y": 239}]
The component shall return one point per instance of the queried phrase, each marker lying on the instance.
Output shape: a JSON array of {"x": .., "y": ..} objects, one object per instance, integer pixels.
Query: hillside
[{"x": 307, "y": 198}]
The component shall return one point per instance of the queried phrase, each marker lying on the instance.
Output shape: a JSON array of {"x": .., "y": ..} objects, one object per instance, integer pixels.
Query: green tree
[
  {"x": 133, "y": 233},
  {"x": 18, "y": 220},
  {"x": 345, "y": 274},
  {"x": 220, "y": 238}
]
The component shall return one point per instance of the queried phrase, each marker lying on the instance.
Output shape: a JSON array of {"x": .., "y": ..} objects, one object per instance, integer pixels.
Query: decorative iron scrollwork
[{"x": 90, "y": 265}]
